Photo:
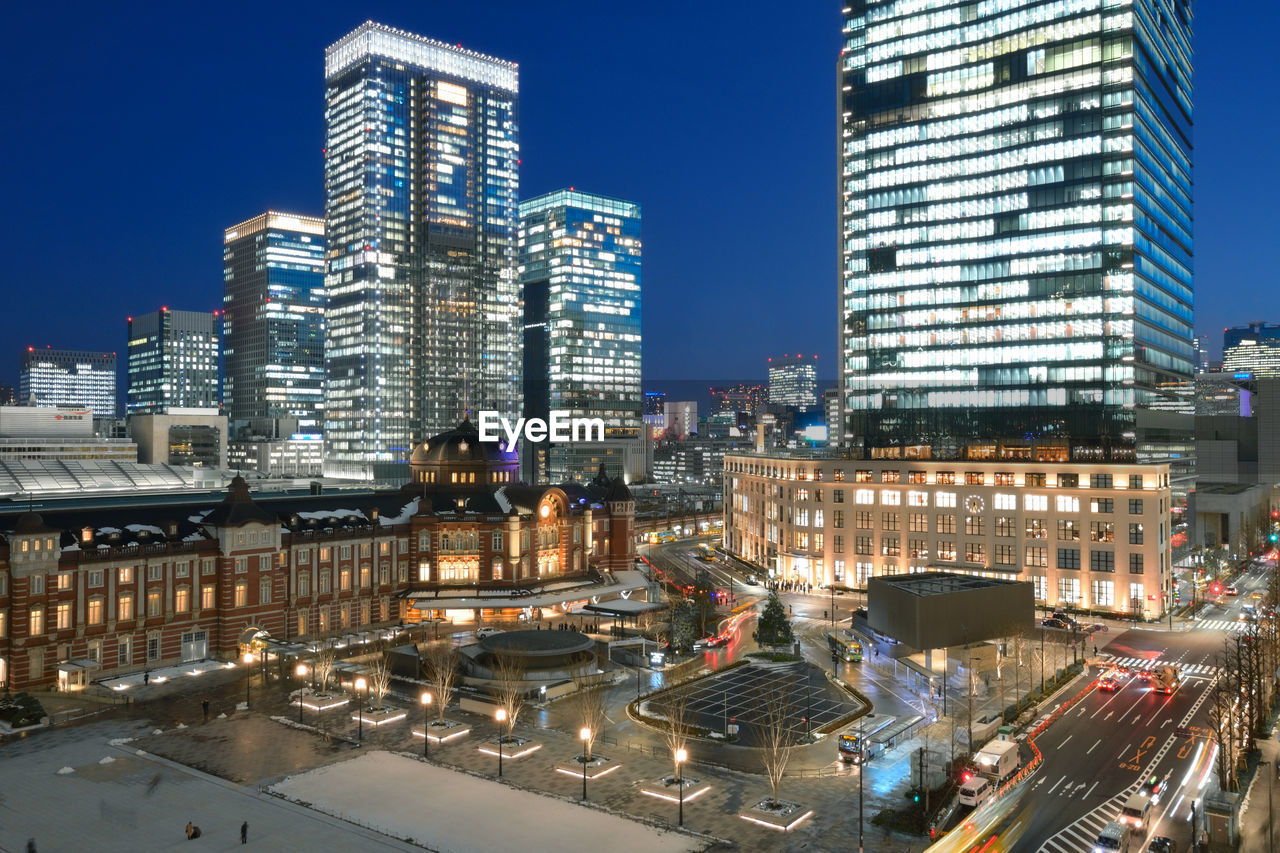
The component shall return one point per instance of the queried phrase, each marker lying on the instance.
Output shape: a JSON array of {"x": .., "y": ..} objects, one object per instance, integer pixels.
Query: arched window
[
  {"x": 424, "y": 541},
  {"x": 496, "y": 569}
]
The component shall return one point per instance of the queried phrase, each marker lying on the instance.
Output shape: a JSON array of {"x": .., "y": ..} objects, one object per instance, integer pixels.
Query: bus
[
  {"x": 854, "y": 745},
  {"x": 659, "y": 538},
  {"x": 706, "y": 552},
  {"x": 845, "y": 646}
]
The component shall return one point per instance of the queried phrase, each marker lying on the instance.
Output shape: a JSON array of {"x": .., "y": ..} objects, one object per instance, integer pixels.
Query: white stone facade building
[{"x": 1088, "y": 535}]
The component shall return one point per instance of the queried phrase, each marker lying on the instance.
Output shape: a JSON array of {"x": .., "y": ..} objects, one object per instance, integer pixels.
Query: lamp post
[
  {"x": 862, "y": 765},
  {"x": 585, "y": 734},
  {"x": 302, "y": 689},
  {"x": 248, "y": 673},
  {"x": 682, "y": 755},
  {"x": 501, "y": 716},
  {"x": 426, "y": 733},
  {"x": 832, "y": 587},
  {"x": 360, "y": 685}
]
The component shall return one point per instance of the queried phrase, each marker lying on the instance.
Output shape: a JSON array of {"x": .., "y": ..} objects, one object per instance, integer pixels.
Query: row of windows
[{"x": 941, "y": 478}]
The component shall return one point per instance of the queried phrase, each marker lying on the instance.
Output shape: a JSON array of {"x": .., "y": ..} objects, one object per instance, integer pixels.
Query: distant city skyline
[{"x": 689, "y": 193}]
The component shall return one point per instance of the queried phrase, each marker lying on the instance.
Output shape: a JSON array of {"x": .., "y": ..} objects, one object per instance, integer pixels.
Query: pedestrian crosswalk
[
  {"x": 1083, "y": 833},
  {"x": 1221, "y": 625},
  {"x": 1144, "y": 663}
]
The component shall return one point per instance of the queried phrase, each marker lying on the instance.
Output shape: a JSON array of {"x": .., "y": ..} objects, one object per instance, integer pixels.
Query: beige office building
[{"x": 1086, "y": 535}]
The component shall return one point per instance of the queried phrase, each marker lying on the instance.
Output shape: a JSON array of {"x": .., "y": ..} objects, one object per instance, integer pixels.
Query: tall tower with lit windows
[
  {"x": 422, "y": 304},
  {"x": 580, "y": 276},
  {"x": 1016, "y": 252}
]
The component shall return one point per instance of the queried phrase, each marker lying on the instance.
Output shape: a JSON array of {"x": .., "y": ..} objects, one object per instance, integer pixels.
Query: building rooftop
[{"x": 940, "y": 583}]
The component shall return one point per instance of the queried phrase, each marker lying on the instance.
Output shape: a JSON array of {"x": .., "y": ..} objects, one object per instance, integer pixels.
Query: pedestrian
[
  {"x": 146, "y": 677},
  {"x": 190, "y": 830},
  {"x": 244, "y": 832},
  {"x": 204, "y": 706},
  {"x": 1095, "y": 651},
  {"x": 153, "y": 784},
  {"x": 31, "y": 845}
]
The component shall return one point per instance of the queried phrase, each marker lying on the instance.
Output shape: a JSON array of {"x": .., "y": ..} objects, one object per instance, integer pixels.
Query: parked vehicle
[
  {"x": 1231, "y": 590},
  {"x": 486, "y": 631},
  {"x": 975, "y": 791},
  {"x": 855, "y": 746},
  {"x": 1053, "y": 623},
  {"x": 998, "y": 760},
  {"x": 1161, "y": 844}
]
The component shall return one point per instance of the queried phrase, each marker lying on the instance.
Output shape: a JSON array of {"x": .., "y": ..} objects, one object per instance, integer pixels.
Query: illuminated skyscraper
[
  {"x": 59, "y": 377},
  {"x": 1016, "y": 206},
  {"x": 173, "y": 362},
  {"x": 422, "y": 304},
  {"x": 793, "y": 381},
  {"x": 1254, "y": 349},
  {"x": 273, "y": 322},
  {"x": 580, "y": 274}
]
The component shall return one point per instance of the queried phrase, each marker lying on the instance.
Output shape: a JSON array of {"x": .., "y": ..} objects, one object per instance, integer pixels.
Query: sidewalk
[{"x": 1259, "y": 814}]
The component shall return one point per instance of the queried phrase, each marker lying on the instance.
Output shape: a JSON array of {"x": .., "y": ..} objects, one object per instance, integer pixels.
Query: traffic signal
[
  {"x": 966, "y": 776},
  {"x": 1274, "y": 538}
]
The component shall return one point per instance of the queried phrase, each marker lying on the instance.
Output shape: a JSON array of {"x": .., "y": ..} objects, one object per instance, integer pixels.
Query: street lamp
[
  {"x": 302, "y": 678},
  {"x": 248, "y": 673},
  {"x": 682, "y": 755},
  {"x": 360, "y": 686},
  {"x": 585, "y": 734},
  {"x": 426, "y": 734},
  {"x": 501, "y": 716}
]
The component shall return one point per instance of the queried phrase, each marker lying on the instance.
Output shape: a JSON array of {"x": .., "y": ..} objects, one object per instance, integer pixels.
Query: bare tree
[
  {"x": 441, "y": 663},
  {"x": 776, "y": 739},
  {"x": 325, "y": 659},
  {"x": 509, "y": 672},
  {"x": 380, "y": 677},
  {"x": 675, "y": 707},
  {"x": 590, "y": 707}
]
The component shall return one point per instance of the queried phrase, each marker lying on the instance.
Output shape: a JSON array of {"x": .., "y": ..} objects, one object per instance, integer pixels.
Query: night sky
[{"x": 135, "y": 134}]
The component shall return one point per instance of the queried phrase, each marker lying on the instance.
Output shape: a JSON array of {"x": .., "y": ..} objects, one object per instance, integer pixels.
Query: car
[
  {"x": 716, "y": 641},
  {"x": 486, "y": 631},
  {"x": 1155, "y": 786},
  {"x": 1121, "y": 669},
  {"x": 1109, "y": 682},
  {"x": 1144, "y": 674},
  {"x": 1059, "y": 614},
  {"x": 1161, "y": 844},
  {"x": 1053, "y": 623},
  {"x": 1096, "y": 628},
  {"x": 1231, "y": 590},
  {"x": 753, "y": 580}
]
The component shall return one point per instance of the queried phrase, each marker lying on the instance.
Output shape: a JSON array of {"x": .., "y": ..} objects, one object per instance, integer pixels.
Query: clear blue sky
[{"x": 135, "y": 133}]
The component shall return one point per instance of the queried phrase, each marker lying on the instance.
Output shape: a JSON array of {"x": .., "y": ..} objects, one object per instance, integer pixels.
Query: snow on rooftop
[
  {"x": 406, "y": 512},
  {"x": 332, "y": 513},
  {"x": 383, "y": 791},
  {"x": 501, "y": 497},
  {"x": 139, "y": 528}
]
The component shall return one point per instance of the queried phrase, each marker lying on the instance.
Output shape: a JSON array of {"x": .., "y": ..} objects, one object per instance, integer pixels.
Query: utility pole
[{"x": 862, "y": 766}]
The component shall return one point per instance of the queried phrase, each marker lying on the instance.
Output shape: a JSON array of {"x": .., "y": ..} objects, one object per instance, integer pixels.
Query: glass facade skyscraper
[
  {"x": 273, "y": 319},
  {"x": 422, "y": 303},
  {"x": 173, "y": 362},
  {"x": 793, "y": 380},
  {"x": 1016, "y": 253},
  {"x": 1254, "y": 349},
  {"x": 59, "y": 377},
  {"x": 580, "y": 275}
]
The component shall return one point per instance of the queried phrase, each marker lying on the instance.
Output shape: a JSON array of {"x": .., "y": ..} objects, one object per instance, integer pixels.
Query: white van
[
  {"x": 1114, "y": 838},
  {"x": 976, "y": 791},
  {"x": 1135, "y": 811}
]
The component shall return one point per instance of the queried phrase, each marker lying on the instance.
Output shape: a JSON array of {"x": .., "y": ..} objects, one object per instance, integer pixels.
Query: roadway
[{"x": 1100, "y": 750}]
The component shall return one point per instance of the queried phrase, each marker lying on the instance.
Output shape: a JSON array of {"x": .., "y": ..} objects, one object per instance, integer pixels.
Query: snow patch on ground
[
  {"x": 107, "y": 759},
  {"x": 63, "y": 771},
  {"x": 120, "y": 741},
  {"x": 382, "y": 791}
]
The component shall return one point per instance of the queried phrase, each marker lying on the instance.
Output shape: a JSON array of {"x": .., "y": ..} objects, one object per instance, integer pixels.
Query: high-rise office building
[
  {"x": 60, "y": 377},
  {"x": 173, "y": 362},
  {"x": 580, "y": 276},
  {"x": 273, "y": 319},
  {"x": 1016, "y": 246},
  {"x": 793, "y": 380},
  {"x": 422, "y": 305},
  {"x": 1254, "y": 349}
]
